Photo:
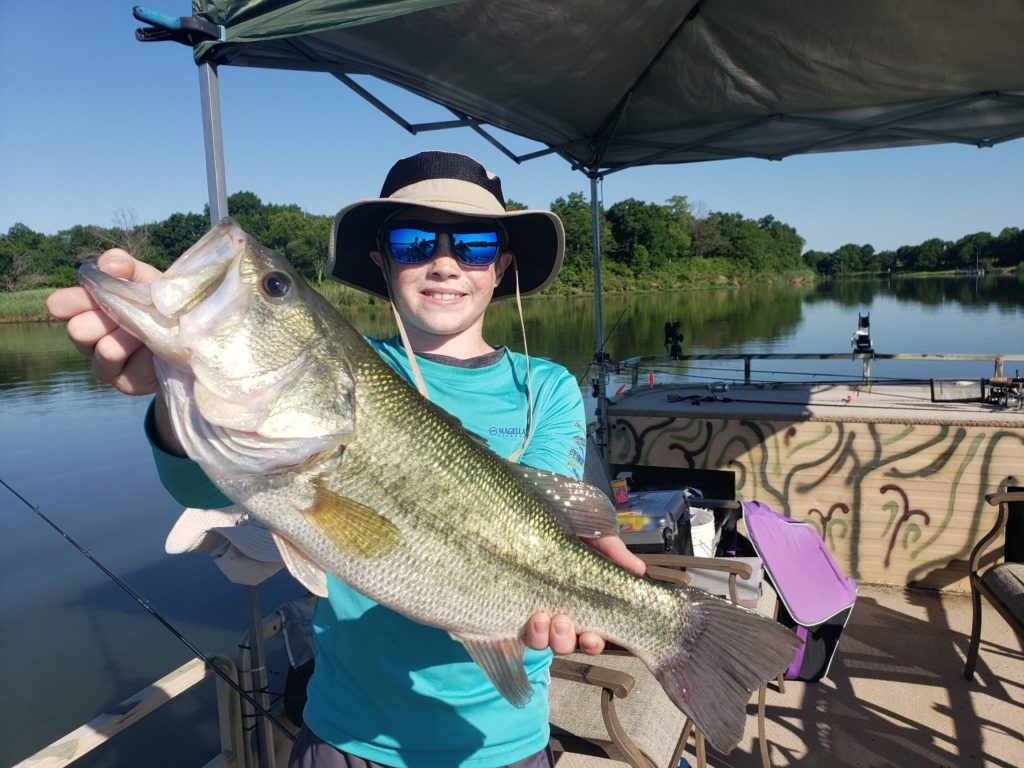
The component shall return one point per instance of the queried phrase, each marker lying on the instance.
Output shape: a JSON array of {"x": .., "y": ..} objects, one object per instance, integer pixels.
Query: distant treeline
[{"x": 645, "y": 245}]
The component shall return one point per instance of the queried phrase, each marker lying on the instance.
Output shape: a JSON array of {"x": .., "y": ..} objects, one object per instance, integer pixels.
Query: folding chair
[{"x": 1001, "y": 583}]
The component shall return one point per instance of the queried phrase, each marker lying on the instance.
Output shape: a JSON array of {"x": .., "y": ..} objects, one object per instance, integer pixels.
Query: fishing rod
[
  {"x": 195, "y": 649},
  {"x": 600, "y": 354}
]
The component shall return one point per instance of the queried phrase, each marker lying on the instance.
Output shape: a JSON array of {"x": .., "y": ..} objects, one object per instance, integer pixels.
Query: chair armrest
[
  {"x": 669, "y": 575},
  {"x": 998, "y": 527},
  {"x": 741, "y": 569},
  {"x": 718, "y": 503},
  {"x": 1004, "y": 496},
  {"x": 619, "y": 683},
  {"x": 661, "y": 567}
]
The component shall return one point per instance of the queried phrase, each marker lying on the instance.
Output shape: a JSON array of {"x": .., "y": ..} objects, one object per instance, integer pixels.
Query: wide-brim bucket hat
[{"x": 444, "y": 181}]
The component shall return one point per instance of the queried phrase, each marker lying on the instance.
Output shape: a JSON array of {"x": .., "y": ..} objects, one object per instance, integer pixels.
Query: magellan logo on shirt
[{"x": 506, "y": 431}]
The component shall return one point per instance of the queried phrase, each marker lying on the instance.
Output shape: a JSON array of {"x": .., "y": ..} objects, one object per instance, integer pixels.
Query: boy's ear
[
  {"x": 501, "y": 265},
  {"x": 375, "y": 257}
]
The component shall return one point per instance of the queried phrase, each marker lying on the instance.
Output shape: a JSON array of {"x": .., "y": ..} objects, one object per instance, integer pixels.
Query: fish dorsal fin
[
  {"x": 501, "y": 660},
  {"x": 354, "y": 528},
  {"x": 309, "y": 575},
  {"x": 582, "y": 509}
]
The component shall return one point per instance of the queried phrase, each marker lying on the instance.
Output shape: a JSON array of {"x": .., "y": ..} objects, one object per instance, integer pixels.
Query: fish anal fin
[
  {"x": 308, "y": 574},
  {"x": 501, "y": 659},
  {"x": 354, "y": 528},
  {"x": 581, "y": 509}
]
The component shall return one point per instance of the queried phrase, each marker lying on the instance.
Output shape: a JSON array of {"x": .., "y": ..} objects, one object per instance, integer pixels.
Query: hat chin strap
[
  {"x": 421, "y": 386},
  {"x": 514, "y": 456}
]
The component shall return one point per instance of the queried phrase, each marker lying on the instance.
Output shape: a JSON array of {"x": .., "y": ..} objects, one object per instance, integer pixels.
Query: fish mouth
[
  {"x": 166, "y": 313},
  {"x": 101, "y": 285},
  {"x": 131, "y": 306}
]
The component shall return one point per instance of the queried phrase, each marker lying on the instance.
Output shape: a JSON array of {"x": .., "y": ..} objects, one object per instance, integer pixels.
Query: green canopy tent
[{"x": 610, "y": 85}]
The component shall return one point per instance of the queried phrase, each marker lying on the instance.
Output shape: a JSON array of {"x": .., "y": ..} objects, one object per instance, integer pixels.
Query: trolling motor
[
  {"x": 673, "y": 340},
  {"x": 861, "y": 341}
]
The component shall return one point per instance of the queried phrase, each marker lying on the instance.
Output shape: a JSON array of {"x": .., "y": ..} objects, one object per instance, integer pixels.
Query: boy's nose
[
  {"x": 443, "y": 256},
  {"x": 443, "y": 246}
]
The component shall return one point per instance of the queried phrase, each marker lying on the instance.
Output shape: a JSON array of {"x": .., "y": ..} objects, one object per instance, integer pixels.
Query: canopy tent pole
[
  {"x": 601, "y": 438},
  {"x": 216, "y": 186}
]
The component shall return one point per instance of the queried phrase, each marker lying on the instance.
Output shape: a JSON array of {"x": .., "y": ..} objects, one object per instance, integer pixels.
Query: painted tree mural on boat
[{"x": 896, "y": 502}]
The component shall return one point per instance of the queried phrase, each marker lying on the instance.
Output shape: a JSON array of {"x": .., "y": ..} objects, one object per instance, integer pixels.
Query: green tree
[
  {"x": 745, "y": 242},
  {"x": 927, "y": 256},
  {"x": 636, "y": 223},
  {"x": 22, "y": 259},
  {"x": 816, "y": 260},
  {"x": 706, "y": 238},
  {"x": 680, "y": 225},
  {"x": 301, "y": 238},
  {"x": 971, "y": 251},
  {"x": 785, "y": 244},
  {"x": 1007, "y": 248},
  {"x": 574, "y": 211},
  {"x": 175, "y": 235},
  {"x": 248, "y": 210}
]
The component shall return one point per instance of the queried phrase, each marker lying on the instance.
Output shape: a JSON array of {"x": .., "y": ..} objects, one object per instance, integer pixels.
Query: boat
[
  {"x": 892, "y": 471},
  {"x": 893, "y": 475}
]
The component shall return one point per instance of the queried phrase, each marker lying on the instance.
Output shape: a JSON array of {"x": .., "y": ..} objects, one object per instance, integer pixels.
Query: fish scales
[
  {"x": 490, "y": 544},
  {"x": 297, "y": 419}
]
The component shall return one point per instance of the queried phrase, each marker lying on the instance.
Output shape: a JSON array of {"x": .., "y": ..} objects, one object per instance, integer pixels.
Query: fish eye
[{"x": 277, "y": 285}]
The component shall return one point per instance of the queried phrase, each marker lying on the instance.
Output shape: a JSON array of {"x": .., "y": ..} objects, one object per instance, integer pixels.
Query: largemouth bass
[{"x": 296, "y": 418}]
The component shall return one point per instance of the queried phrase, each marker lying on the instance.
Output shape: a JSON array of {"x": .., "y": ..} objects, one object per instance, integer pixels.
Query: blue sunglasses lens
[{"x": 412, "y": 245}]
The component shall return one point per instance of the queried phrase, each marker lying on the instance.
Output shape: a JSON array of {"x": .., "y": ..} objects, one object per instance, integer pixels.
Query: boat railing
[
  {"x": 634, "y": 365},
  {"x": 240, "y": 746},
  {"x": 72, "y": 746}
]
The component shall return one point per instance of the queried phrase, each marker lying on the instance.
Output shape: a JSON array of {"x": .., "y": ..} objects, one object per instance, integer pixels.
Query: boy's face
[{"x": 442, "y": 298}]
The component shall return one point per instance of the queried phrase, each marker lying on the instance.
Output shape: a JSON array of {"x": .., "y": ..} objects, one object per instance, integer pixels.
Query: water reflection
[
  {"x": 1003, "y": 291},
  {"x": 36, "y": 358}
]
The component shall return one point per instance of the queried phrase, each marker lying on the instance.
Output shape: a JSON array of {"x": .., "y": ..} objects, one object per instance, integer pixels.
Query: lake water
[{"x": 74, "y": 643}]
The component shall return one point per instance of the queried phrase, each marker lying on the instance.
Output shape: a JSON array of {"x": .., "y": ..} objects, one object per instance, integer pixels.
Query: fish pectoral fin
[
  {"x": 308, "y": 574},
  {"x": 580, "y": 508},
  {"x": 501, "y": 660},
  {"x": 354, "y": 528}
]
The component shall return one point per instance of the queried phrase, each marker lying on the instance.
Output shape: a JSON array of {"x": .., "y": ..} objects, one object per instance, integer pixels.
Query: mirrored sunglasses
[{"x": 475, "y": 244}]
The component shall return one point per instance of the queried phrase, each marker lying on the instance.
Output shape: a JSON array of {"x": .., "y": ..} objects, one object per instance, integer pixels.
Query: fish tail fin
[{"x": 722, "y": 656}]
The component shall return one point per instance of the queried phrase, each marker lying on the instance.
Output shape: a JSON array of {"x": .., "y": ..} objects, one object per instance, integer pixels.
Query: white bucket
[{"x": 702, "y": 531}]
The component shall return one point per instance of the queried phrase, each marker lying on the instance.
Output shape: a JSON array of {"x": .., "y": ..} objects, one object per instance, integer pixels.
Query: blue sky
[{"x": 101, "y": 123}]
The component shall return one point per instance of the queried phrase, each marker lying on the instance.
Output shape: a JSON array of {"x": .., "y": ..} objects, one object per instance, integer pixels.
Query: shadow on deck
[{"x": 896, "y": 695}]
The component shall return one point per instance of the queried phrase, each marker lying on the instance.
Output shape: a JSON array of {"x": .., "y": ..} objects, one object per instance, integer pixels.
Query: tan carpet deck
[{"x": 896, "y": 696}]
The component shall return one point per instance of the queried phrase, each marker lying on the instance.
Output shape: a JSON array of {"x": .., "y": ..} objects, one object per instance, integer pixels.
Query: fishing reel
[
  {"x": 1005, "y": 392},
  {"x": 716, "y": 390},
  {"x": 673, "y": 340}
]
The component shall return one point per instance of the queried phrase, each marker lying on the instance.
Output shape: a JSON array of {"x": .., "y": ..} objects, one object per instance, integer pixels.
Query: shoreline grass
[{"x": 24, "y": 306}]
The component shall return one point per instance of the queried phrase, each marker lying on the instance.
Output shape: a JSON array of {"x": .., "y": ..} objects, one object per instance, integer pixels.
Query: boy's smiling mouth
[{"x": 445, "y": 296}]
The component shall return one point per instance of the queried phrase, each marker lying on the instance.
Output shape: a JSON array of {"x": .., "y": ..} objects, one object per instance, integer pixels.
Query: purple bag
[{"x": 816, "y": 596}]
